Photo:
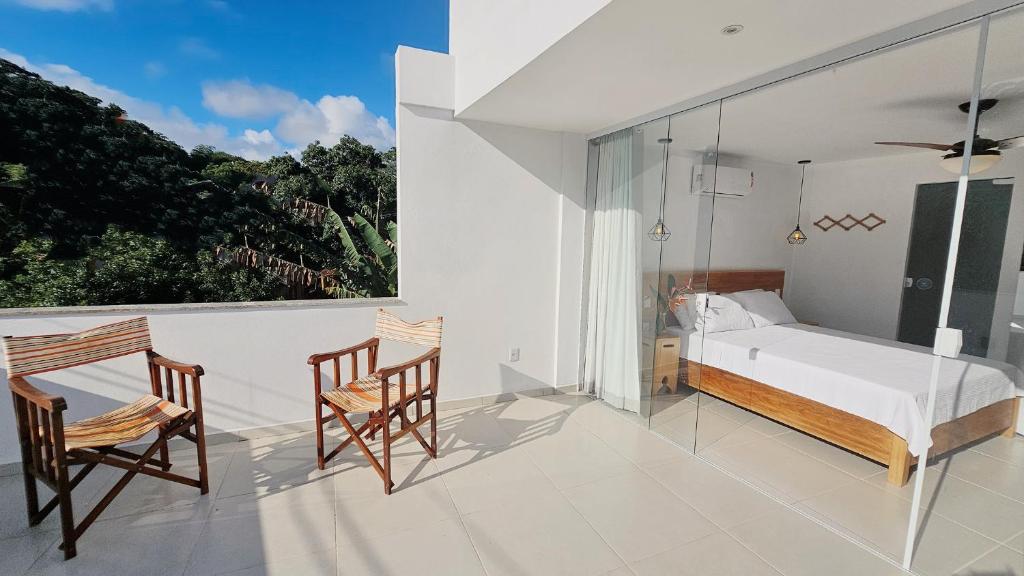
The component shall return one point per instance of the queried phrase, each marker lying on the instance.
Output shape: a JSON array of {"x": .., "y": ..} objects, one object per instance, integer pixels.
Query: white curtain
[{"x": 612, "y": 361}]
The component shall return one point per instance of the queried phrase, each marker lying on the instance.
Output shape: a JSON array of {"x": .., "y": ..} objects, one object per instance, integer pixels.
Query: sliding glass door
[
  {"x": 974, "y": 482},
  {"x": 768, "y": 276}
]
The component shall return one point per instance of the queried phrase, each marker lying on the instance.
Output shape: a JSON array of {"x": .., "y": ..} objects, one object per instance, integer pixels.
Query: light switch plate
[{"x": 513, "y": 354}]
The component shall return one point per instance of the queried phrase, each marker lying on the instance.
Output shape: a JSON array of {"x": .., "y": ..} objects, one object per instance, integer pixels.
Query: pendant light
[
  {"x": 797, "y": 236},
  {"x": 659, "y": 232}
]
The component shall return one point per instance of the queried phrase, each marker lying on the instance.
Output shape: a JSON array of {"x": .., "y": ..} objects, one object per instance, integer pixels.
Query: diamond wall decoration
[{"x": 849, "y": 222}]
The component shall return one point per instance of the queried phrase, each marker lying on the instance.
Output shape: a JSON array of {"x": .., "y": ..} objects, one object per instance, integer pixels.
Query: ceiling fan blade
[
  {"x": 1007, "y": 143},
  {"x": 919, "y": 145}
]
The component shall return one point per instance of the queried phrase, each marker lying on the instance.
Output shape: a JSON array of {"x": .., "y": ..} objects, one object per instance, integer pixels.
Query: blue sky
[{"x": 254, "y": 77}]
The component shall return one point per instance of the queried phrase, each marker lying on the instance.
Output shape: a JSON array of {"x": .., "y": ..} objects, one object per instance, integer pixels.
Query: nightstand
[{"x": 666, "y": 362}]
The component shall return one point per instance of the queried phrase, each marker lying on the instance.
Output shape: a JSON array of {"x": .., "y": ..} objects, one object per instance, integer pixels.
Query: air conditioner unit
[{"x": 721, "y": 180}]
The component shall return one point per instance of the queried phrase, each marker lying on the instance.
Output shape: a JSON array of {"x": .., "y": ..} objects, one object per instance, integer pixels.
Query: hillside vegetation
[{"x": 96, "y": 208}]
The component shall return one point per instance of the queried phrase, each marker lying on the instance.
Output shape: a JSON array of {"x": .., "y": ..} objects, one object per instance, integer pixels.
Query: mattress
[{"x": 879, "y": 380}]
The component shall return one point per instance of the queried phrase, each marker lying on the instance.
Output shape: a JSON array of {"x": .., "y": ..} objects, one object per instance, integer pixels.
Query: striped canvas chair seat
[
  {"x": 125, "y": 424},
  {"x": 363, "y": 395}
]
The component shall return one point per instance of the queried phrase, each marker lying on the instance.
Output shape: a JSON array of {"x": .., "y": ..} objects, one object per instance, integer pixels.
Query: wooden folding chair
[
  {"x": 49, "y": 447},
  {"x": 378, "y": 395}
]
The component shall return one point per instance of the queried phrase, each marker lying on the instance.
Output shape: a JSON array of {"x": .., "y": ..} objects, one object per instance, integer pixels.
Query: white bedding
[{"x": 883, "y": 381}]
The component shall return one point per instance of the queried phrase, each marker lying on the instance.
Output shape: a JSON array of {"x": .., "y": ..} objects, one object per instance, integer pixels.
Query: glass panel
[
  {"x": 972, "y": 496},
  {"x": 807, "y": 391},
  {"x": 691, "y": 160},
  {"x": 650, "y": 144}
]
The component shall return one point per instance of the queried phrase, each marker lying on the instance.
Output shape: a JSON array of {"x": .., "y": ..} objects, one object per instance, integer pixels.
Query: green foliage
[
  {"x": 124, "y": 268},
  {"x": 99, "y": 209},
  {"x": 371, "y": 261}
]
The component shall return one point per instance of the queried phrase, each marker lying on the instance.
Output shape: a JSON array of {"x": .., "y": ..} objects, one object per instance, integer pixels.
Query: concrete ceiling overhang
[{"x": 635, "y": 57}]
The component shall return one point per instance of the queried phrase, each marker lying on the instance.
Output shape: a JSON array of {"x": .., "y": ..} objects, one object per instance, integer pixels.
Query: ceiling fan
[{"x": 985, "y": 152}]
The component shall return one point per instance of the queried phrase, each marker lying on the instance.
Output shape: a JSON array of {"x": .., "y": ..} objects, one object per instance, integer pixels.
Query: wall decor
[{"x": 849, "y": 222}]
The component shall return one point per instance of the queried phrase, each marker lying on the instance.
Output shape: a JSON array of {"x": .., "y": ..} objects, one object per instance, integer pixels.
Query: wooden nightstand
[{"x": 666, "y": 362}]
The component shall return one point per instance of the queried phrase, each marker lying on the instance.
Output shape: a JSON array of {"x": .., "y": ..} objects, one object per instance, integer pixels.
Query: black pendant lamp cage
[
  {"x": 659, "y": 232},
  {"x": 797, "y": 236}
]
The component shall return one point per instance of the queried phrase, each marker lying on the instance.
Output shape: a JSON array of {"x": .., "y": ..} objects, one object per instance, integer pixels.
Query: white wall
[
  {"x": 490, "y": 237},
  {"x": 497, "y": 217},
  {"x": 492, "y": 40},
  {"x": 853, "y": 280},
  {"x": 748, "y": 232}
]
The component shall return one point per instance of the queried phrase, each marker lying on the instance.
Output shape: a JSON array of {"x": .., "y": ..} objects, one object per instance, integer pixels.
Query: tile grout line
[
  {"x": 721, "y": 528},
  {"x": 209, "y": 513},
  {"x": 994, "y": 457},
  {"x": 982, "y": 555},
  {"x": 573, "y": 506},
  {"x": 561, "y": 492},
  {"x": 458, "y": 512},
  {"x": 759, "y": 490},
  {"x": 865, "y": 481},
  {"x": 647, "y": 473},
  {"x": 944, "y": 516}
]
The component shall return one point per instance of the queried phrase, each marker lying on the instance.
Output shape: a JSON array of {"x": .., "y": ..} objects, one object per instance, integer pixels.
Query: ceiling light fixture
[
  {"x": 732, "y": 29},
  {"x": 659, "y": 232},
  {"x": 797, "y": 236},
  {"x": 981, "y": 160}
]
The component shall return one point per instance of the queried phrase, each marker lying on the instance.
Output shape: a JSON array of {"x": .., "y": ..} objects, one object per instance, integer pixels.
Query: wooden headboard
[{"x": 726, "y": 281}]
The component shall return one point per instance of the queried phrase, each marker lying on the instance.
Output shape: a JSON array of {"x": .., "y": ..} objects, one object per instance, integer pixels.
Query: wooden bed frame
[{"x": 843, "y": 429}]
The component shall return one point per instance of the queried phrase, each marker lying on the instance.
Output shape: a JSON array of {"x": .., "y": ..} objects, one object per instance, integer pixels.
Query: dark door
[{"x": 978, "y": 263}]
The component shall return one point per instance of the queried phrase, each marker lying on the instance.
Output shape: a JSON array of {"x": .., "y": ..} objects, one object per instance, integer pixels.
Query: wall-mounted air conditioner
[{"x": 735, "y": 182}]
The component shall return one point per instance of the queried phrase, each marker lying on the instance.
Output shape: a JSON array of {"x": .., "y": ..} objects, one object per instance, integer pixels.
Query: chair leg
[
  {"x": 433, "y": 427},
  {"x": 386, "y": 437},
  {"x": 165, "y": 454},
  {"x": 67, "y": 517},
  {"x": 204, "y": 476},
  {"x": 318, "y": 422},
  {"x": 31, "y": 497}
]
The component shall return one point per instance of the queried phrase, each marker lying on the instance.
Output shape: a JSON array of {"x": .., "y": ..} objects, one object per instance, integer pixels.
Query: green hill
[{"x": 96, "y": 208}]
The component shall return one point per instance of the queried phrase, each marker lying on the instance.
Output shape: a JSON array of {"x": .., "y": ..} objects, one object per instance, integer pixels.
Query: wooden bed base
[{"x": 845, "y": 430}]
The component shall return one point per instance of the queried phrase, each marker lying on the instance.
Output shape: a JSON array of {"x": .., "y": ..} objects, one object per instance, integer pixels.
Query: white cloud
[
  {"x": 300, "y": 121},
  {"x": 169, "y": 121},
  {"x": 259, "y": 145},
  {"x": 197, "y": 47},
  {"x": 240, "y": 99},
  {"x": 154, "y": 70},
  {"x": 333, "y": 117},
  {"x": 67, "y": 5}
]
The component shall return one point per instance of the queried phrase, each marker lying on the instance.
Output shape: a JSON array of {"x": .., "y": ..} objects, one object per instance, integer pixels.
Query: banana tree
[{"x": 372, "y": 257}]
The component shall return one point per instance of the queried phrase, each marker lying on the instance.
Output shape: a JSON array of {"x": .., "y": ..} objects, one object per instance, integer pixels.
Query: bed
[{"x": 864, "y": 394}]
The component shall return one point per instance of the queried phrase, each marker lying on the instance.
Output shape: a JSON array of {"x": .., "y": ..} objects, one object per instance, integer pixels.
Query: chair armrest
[
  {"x": 324, "y": 356},
  {"x": 49, "y": 402},
  {"x": 392, "y": 370},
  {"x": 193, "y": 370}
]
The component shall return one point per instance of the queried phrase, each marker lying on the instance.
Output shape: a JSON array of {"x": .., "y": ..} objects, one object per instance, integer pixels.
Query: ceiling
[
  {"x": 907, "y": 93},
  {"x": 637, "y": 56}
]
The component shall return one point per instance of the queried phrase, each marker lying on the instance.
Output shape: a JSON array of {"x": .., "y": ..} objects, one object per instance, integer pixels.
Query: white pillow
[
  {"x": 717, "y": 313},
  {"x": 765, "y": 308}
]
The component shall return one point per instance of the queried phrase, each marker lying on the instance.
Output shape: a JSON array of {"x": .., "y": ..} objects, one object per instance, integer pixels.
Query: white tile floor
[
  {"x": 973, "y": 509},
  {"x": 552, "y": 485}
]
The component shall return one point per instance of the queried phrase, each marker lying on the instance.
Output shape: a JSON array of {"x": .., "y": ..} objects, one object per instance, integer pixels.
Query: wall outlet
[{"x": 513, "y": 354}]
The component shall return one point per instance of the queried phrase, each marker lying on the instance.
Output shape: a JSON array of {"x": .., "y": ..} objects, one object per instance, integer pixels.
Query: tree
[{"x": 96, "y": 208}]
